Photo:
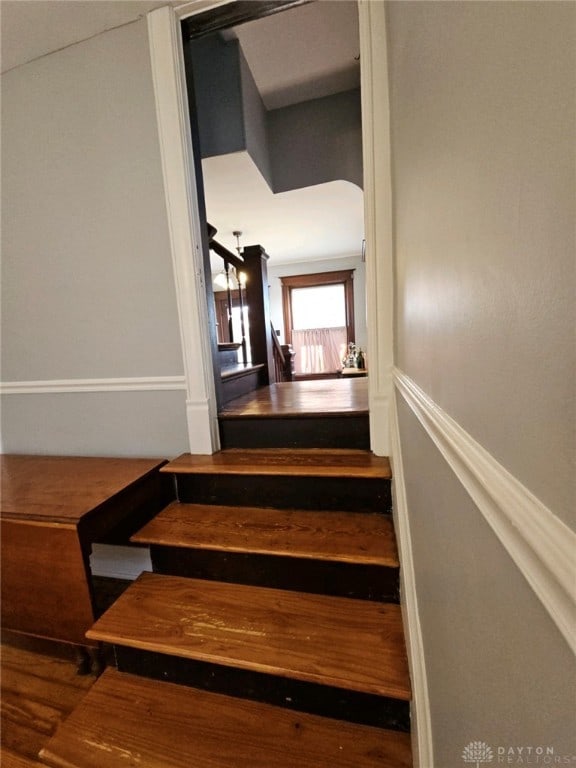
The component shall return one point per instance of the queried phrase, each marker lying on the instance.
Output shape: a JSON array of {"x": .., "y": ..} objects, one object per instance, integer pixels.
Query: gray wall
[
  {"x": 87, "y": 281},
  {"x": 483, "y": 137},
  {"x": 498, "y": 670},
  {"x": 316, "y": 141},
  {"x": 482, "y": 119}
]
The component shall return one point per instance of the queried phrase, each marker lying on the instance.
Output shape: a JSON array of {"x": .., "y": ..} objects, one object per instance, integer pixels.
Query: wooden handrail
[
  {"x": 283, "y": 356},
  {"x": 221, "y": 250},
  {"x": 277, "y": 345}
]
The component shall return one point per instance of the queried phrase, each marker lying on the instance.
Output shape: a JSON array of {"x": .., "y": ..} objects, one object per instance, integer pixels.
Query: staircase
[{"x": 269, "y": 633}]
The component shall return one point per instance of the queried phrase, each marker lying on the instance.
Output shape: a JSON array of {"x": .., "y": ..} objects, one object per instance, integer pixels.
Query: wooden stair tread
[
  {"x": 350, "y": 537},
  {"x": 351, "y": 644},
  {"x": 127, "y": 720},
  {"x": 308, "y": 462}
]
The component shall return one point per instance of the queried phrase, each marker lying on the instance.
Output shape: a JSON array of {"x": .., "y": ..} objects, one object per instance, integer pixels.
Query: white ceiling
[
  {"x": 305, "y": 53},
  {"x": 325, "y": 221}
]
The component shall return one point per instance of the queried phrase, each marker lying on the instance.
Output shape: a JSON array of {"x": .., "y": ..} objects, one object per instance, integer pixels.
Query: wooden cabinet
[{"x": 52, "y": 510}]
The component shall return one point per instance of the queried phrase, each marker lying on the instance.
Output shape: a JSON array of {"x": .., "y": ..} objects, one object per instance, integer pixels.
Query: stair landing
[
  {"x": 319, "y": 413},
  {"x": 335, "y": 397},
  {"x": 112, "y": 729}
]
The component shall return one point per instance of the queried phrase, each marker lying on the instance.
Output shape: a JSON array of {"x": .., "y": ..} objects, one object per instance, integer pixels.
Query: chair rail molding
[
  {"x": 539, "y": 543},
  {"x": 421, "y": 726},
  {"x": 64, "y": 386},
  {"x": 377, "y": 216}
]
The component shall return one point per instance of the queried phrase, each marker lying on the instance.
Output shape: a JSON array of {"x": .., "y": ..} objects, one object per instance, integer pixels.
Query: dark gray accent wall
[
  {"x": 255, "y": 122},
  {"x": 302, "y": 145},
  {"x": 317, "y": 141},
  {"x": 218, "y": 91}
]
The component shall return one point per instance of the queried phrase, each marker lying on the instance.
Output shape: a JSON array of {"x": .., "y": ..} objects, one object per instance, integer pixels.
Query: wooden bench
[{"x": 52, "y": 510}]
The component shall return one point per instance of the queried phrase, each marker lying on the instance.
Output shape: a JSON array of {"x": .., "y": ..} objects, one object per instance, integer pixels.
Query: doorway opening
[{"x": 282, "y": 162}]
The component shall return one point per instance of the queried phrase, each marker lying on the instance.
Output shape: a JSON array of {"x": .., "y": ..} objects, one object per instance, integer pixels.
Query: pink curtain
[{"x": 319, "y": 350}]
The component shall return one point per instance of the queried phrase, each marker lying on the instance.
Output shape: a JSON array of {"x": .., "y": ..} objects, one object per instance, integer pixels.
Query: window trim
[{"x": 343, "y": 277}]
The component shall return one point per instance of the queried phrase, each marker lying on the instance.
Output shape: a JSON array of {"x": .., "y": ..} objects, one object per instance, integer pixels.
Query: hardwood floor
[
  {"x": 38, "y": 692},
  {"x": 298, "y": 398}
]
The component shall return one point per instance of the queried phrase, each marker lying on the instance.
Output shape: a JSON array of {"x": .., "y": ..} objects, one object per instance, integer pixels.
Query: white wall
[
  {"x": 311, "y": 267},
  {"x": 87, "y": 289},
  {"x": 482, "y": 120}
]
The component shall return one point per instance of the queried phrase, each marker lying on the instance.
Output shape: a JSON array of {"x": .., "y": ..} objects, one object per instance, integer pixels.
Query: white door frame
[{"x": 184, "y": 221}]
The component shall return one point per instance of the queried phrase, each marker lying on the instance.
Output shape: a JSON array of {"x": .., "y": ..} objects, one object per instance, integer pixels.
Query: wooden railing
[
  {"x": 253, "y": 295},
  {"x": 283, "y": 355},
  {"x": 233, "y": 264}
]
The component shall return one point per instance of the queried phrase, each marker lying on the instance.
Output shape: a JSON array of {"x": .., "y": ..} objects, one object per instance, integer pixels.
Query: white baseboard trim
[
  {"x": 379, "y": 424},
  {"x": 540, "y": 544},
  {"x": 203, "y": 433},
  {"x": 115, "y": 562},
  {"x": 421, "y": 727},
  {"x": 64, "y": 386}
]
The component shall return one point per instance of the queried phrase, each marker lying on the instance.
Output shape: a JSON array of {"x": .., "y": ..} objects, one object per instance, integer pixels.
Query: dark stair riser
[
  {"x": 287, "y": 492},
  {"x": 134, "y": 507},
  {"x": 313, "y": 698},
  {"x": 310, "y": 432},
  {"x": 364, "y": 582}
]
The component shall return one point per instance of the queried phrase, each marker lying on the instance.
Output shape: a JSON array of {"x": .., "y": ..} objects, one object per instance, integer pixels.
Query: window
[{"x": 318, "y": 319}]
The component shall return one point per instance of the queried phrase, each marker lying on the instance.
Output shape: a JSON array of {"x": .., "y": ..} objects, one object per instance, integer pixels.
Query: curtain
[{"x": 319, "y": 350}]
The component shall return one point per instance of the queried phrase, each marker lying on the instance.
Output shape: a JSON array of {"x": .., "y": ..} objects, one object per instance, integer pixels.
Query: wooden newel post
[
  {"x": 257, "y": 299},
  {"x": 289, "y": 356}
]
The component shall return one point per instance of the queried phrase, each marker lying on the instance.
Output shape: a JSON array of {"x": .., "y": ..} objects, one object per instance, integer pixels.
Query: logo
[{"x": 477, "y": 752}]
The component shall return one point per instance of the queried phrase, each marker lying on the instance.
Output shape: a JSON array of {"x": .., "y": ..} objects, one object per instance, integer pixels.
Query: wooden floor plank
[
  {"x": 10, "y": 759},
  {"x": 348, "y": 537},
  {"x": 351, "y": 644},
  {"x": 303, "y": 462},
  {"x": 339, "y": 397},
  {"x": 38, "y": 692},
  {"x": 126, "y": 720}
]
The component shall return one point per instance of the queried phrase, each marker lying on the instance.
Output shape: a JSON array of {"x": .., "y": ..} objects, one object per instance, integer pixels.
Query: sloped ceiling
[{"x": 305, "y": 53}]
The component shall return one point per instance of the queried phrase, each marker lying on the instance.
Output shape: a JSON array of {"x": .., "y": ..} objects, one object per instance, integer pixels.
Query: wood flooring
[
  {"x": 38, "y": 692},
  {"x": 299, "y": 398}
]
